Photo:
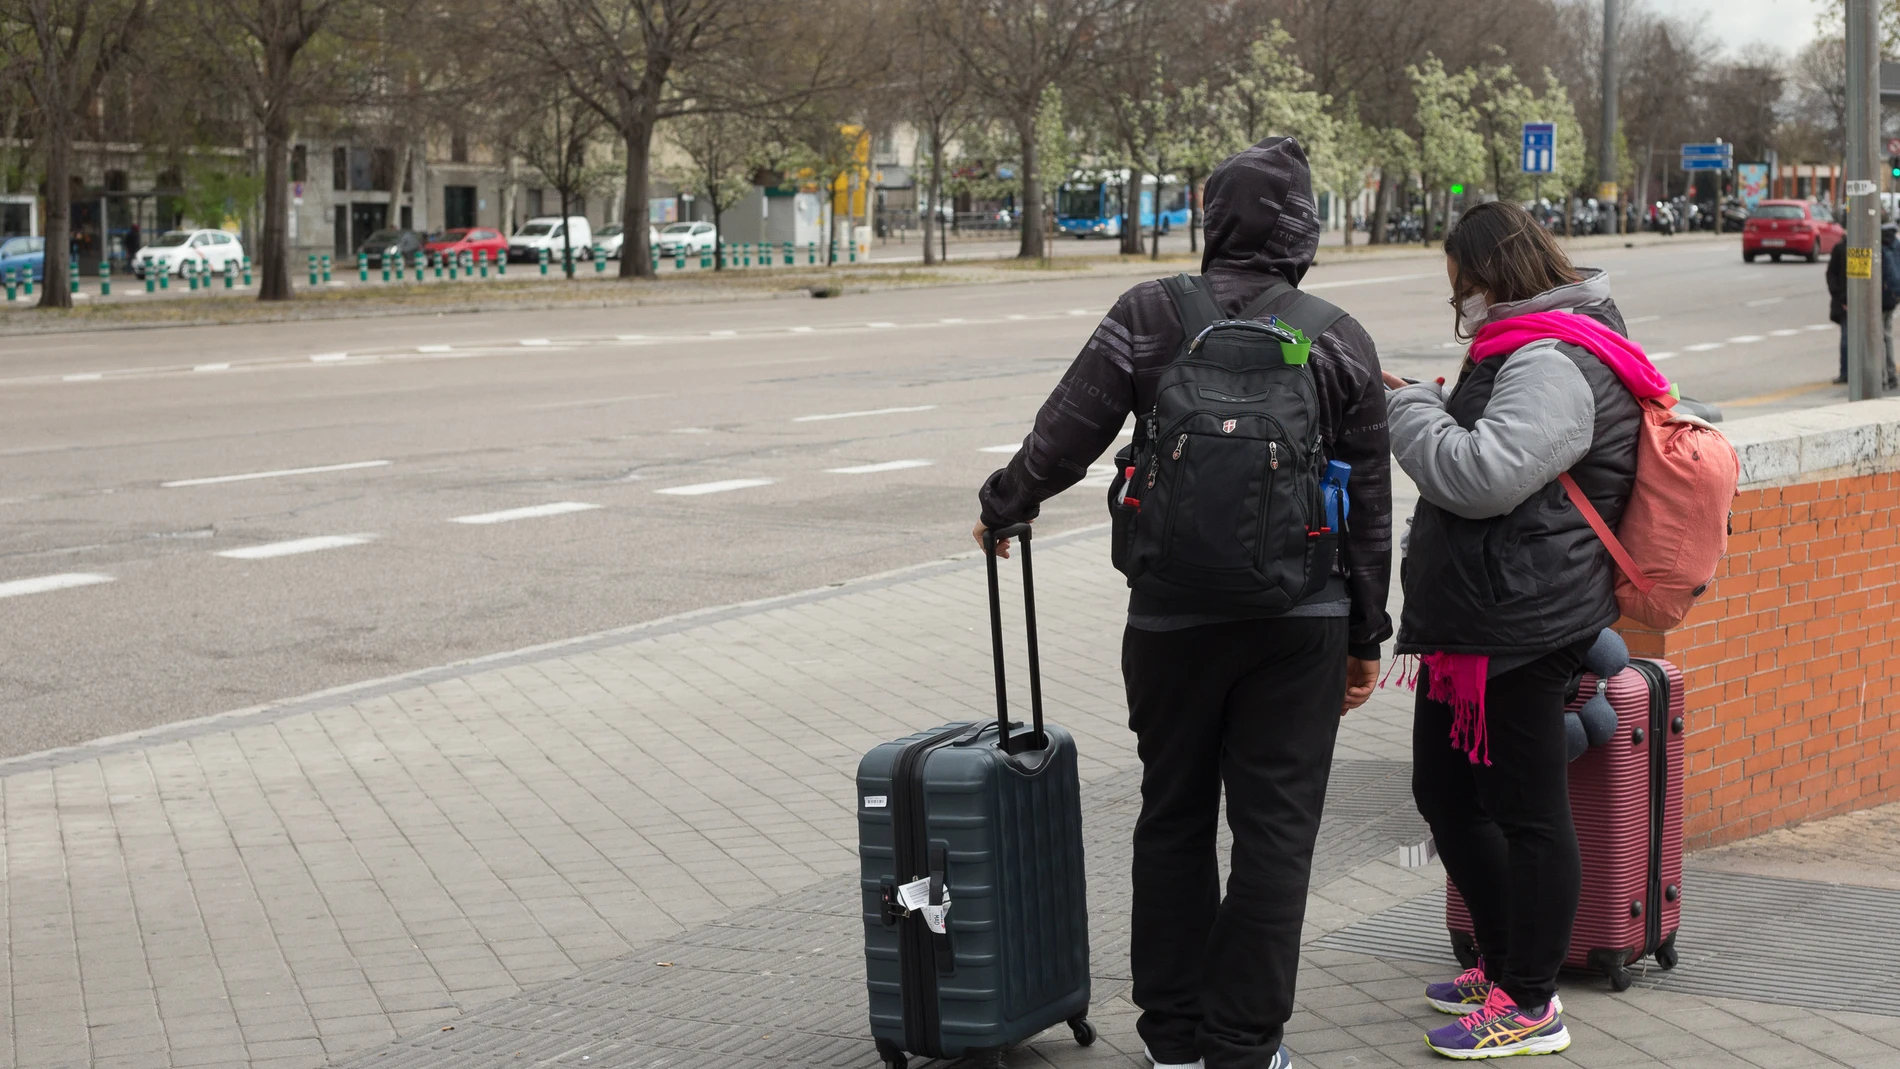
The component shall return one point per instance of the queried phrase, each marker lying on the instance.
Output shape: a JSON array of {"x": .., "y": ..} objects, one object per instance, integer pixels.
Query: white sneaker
[{"x": 1159, "y": 1064}]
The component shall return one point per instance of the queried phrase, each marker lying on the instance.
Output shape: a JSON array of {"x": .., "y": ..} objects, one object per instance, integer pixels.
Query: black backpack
[{"x": 1217, "y": 501}]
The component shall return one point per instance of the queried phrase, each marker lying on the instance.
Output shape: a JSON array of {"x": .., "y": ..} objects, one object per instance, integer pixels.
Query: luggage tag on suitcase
[{"x": 915, "y": 898}]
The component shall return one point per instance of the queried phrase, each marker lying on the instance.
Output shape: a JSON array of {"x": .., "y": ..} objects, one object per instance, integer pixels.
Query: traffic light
[{"x": 1893, "y": 166}]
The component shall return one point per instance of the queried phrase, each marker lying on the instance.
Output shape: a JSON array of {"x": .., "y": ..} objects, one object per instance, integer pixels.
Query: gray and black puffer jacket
[{"x": 1498, "y": 561}]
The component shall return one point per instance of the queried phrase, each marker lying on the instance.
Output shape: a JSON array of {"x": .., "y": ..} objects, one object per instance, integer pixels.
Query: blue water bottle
[{"x": 1333, "y": 491}]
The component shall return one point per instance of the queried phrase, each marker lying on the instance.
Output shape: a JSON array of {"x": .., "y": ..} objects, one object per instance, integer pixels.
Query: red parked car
[
  {"x": 1794, "y": 227},
  {"x": 471, "y": 240}
]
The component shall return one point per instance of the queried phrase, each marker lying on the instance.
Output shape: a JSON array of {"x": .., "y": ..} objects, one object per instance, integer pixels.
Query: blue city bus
[{"x": 1090, "y": 204}]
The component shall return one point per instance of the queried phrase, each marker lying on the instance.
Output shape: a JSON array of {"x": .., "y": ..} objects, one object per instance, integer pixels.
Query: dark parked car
[{"x": 405, "y": 243}]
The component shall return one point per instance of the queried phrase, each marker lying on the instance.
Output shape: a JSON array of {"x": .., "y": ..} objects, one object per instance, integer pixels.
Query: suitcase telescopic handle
[{"x": 1020, "y": 532}]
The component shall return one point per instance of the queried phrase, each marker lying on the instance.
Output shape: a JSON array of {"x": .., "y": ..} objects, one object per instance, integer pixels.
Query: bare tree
[
  {"x": 938, "y": 95},
  {"x": 1012, "y": 51},
  {"x": 63, "y": 50},
  {"x": 723, "y": 150},
  {"x": 263, "y": 43},
  {"x": 558, "y": 146}
]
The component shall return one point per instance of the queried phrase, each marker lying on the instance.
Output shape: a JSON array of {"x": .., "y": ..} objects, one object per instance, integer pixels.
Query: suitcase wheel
[
  {"x": 1084, "y": 1031},
  {"x": 1666, "y": 954},
  {"x": 1612, "y": 964},
  {"x": 891, "y": 1056}
]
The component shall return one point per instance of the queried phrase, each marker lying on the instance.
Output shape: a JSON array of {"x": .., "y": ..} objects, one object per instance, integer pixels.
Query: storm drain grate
[{"x": 1823, "y": 946}]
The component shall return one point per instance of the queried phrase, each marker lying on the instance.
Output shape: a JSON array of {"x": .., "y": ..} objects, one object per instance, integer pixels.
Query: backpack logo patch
[{"x": 1228, "y": 427}]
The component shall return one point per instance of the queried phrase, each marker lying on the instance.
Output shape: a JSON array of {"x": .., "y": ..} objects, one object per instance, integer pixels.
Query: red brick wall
[{"x": 1791, "y": 661}]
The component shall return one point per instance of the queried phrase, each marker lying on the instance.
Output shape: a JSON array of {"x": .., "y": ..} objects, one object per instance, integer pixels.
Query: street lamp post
[
  {"x": 1864, "y": 346},
  {"x": 1606, "y": 157}
]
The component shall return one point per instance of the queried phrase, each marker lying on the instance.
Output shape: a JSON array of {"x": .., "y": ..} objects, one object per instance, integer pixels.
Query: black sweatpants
[
  {"x": 1252, "y": 705},
  {"x": 1504, "y": 829}
]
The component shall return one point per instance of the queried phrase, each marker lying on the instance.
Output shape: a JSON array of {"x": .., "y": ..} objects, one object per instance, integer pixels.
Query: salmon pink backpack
[{"x": 1674, "y": 532}]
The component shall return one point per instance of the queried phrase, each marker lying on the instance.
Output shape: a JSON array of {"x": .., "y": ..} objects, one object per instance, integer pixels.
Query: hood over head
[{"x": 1260, "y": 215}]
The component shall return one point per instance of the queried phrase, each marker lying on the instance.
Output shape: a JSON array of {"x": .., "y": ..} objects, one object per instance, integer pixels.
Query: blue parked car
[{"x": 20, "y": 255}]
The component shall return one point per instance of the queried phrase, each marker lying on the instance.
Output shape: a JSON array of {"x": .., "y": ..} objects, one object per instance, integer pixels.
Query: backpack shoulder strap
[
  {"x": 1608, "y": 537},
  {"x": 1192, "y": 303},
  {"x": 1313, "y": 316}
]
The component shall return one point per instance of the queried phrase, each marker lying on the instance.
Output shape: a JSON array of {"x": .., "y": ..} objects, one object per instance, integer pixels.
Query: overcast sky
[{"x": 1782, "y": 24}]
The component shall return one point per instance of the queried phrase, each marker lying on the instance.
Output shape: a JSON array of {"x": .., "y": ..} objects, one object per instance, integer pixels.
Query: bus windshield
[{"x": 1079, "y": 201}]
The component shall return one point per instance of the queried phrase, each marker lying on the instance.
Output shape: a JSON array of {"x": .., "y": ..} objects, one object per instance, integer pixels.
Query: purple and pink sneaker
[
  {"x": 1500, "y": 1029},
  {"x": 1467, "y": 993}
]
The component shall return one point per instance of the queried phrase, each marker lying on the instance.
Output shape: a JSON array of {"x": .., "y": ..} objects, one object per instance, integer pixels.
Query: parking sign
[{"x": 1540, "y": 147}]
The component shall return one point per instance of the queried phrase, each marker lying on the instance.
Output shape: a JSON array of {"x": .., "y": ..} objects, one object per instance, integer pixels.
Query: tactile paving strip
[
  {"x": 1821, "y": 946},
  {"x": 783, "y": 984}
]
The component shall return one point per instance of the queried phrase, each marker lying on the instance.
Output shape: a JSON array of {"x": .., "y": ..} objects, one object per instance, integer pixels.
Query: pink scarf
[{"x": 1458, "y": 679}]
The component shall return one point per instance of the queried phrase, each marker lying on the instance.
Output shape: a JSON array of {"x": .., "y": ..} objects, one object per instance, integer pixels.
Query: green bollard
[
  {"x": 247, "y": 271},
  {"x": 789, "y": 254},
  {"x": 151, "y": 279},
  {"x": 105, "y": 279},
  {"x": 705, "y": 258},
  {"x": 398, "y": 259},
  {"x": 600, "y": 259},
  {"x": 421, "y": 260},
  {"x": 7, "y": 275},
  {"x": 189, "y": 270},
  {"x": 811, "y": 254},
  {"x": 437, "y": 260},
  {"x": 544, "y": 263},
  {"x": 26, "y": 277},
  {"x": 745, "y": 253},
  {"x": 481, "y": 261},
  {"x": 164, "y": 275},
  {"x": 501, "y": 265},
  {"x": 313, "y": 269},
  {"x": 362, "y": 267},
  {"x": 653, "y": 253},
  {"x": 567, "y": 261},
  {"x": 679, "y": 257},
  {"x": 326, "y": 268},
  {"x": 72, "y": 278},
  {"x": 230, "y": 274},
  {"x": 468, "y": 264},
  {"x": 453, "y": 261},
  {"x": 385, "y": 266}
]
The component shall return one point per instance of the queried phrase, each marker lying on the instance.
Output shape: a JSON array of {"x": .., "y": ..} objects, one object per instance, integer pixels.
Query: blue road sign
[
  {"x": 1718, "y": 156},
  {"x": 1540, "y": 147}
]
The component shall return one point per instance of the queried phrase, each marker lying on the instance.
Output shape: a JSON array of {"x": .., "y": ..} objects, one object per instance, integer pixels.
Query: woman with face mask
[{"x": 1506, "y": 587}]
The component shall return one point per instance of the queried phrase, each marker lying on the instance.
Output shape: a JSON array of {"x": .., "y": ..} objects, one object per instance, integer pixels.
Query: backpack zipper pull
[
  {"x": 1179, "y": 446},
  {"x": 1273, "y": 455}
]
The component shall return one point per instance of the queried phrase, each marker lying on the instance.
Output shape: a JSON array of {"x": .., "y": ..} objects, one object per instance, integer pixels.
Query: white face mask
[{"x": 1472, "y": 312}]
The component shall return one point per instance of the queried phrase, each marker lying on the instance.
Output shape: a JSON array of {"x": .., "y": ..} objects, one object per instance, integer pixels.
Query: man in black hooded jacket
[{"x": 1219, "y": 696}]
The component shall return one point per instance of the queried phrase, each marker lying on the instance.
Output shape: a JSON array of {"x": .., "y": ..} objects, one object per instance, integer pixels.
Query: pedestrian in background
[
  {"x": 1889, "y": 297},
  {"x": 1506, "y": 588},
  {"x": 132, "y": 244},
  {"x": 1220, "y": 695}
]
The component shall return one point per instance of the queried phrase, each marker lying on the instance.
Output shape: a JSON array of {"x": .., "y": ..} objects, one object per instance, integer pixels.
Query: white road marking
[
  {"x": 535, "y": 341},
  {"x": 1362, "y": 281},
  {"x": 1001, "y": 448},
  {"x": 44, "y": 583},
  {"x": 1763, "y": 300},
  {"x": 953, "y": 321},
  {"x": 592, "y": 402},
  {"x": 1080, "y": 312},
  {"x": 1744, "y": 339},
  {"x": 328, "y": 358},
  {"x": 873, "y": 469},
  {"x": 247, "y": 476},
  {"x": 720, "y": 487},
  {"x": 1662, "y": 355},
  {"x": 1784, "y": 332},
  {"x": 1819, "y": 326},
  {"x": 801, "y": 330},
  {"x": 295, "y": 546},
  {"x": 865, "y": 412},
  {"x": 435, "y": 348},
  {"x": 531, "y": 512},
  {"x": 212, "y": 367},
  {"x": 90, "y": 376},
  {"x": 1019, "y": 316},
  {"x": 1702, "y": 347},
  {"x": 714, "y": 333},
  {"x": 880, "y": 323},
  {"x": 632, "y": 337}
]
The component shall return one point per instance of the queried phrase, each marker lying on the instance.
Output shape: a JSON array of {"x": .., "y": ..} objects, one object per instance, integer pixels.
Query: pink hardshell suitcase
[{"x": 1626, "y": 799}]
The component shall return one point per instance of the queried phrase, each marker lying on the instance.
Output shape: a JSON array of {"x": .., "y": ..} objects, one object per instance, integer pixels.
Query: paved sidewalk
[{"x": 487, "y": 862}]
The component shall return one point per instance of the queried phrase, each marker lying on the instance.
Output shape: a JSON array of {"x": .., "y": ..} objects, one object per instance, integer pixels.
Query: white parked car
[
  {"x": 547, "y": 232},
  {"x": 692, "y": 237},
  {"x": 170, "y": 251}
]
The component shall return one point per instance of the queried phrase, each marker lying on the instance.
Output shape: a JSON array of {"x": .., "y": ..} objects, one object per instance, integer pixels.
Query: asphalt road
[{"x": 670, "y": 459}]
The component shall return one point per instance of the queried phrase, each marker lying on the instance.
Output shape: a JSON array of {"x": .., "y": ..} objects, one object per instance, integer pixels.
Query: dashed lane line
[
  {"x": 1663, "y": 355},
  {"x": 211, "y": 367},
  {"x": 1702, "y": 347},
  {"x": 530, "y": 512},
  {"x": 720, "y": 487},
  {"x": 295, "y": 546},
  {"x": 279, "y": 473},
  {"x": 536, "y": 342},
  {"x": 44, "y": 583},
  {"x": 328, "y": 358},
  {"x": 1011, "y": 448},
  {"x": 864, "y": 412},
  {"x": 1744, "y": 339},
  {"x": 873, "y": 469},
  {"x": 88, "y": 376},
  {"x": 435, "y": 348}
]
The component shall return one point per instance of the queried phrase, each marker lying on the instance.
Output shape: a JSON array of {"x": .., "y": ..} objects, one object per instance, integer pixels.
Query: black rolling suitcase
[{"x": 970, "y": 846}]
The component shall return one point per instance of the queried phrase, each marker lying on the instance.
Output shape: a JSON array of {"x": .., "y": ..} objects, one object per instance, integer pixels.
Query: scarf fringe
[{"x": 1458, "y": 680}]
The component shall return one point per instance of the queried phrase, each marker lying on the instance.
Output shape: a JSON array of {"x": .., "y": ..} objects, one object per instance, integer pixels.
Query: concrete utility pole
[
  {"x": 1865, "y": 366},
  {"x": 1606, "y": 158}
]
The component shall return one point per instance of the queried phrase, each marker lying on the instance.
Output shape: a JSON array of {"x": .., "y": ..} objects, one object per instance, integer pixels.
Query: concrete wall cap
[{"x": 1811, "y": 444}]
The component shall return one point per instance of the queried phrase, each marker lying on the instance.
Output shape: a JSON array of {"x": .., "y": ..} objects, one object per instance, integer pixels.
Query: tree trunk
[
  {"x": 402, "y": 178},
  {"x": 511, "y": 185},
  {"x": 935, "y": 199},
  {"x": 59, "y": 217},
  {"x": 1194, "y": 212},
  {"x": 1030, "y": 211},
  {"x": 274, "y": 257},
  {"x": 1131, "y": 211},
  {"x": 567, "y": 232},
  {"x": 636, "y": 255},
  {"x": 1379, "y": 202},
  {"x": 719, "y": 235},
  {"x": 1345, "y": 212},
  {"x": 1154, "y": 244},
  {"x": 419, "y": 195}
]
